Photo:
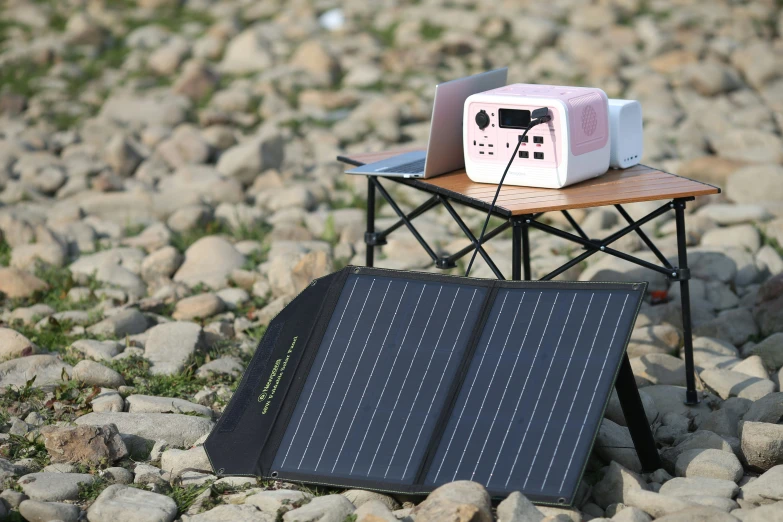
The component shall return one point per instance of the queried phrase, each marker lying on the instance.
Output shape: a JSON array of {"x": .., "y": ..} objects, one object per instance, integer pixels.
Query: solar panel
[{"x": 402, "y": 382}]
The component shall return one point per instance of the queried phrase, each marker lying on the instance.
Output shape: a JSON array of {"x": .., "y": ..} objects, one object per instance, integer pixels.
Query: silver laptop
[{"x": 444, "y": 147}]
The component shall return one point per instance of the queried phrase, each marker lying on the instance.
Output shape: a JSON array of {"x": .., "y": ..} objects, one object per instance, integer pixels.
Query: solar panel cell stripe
[
  {"x": 331, "y": 386},
  {"x": 318, "y": 376},
  {"x": 505, "y": 389},
  {"x": 385, "y": 384},
  {"x": 592, "y": 398},
  {"x": 350, "y": 382},
  {"x": 472, "y": 384},
  {"x": 565, "y": 373},
  {"x": 535, "y": 358},
  {"x": 559, "y": 388},
  {"x": 440, "y": 381},
  {"x": 405, "y": 380},
  {"x": 367, "y": 384},
  {"x": 492, "y": 380}
]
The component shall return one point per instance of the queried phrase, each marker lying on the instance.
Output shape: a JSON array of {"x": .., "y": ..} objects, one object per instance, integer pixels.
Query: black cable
[{"x": 541, "y": 116}]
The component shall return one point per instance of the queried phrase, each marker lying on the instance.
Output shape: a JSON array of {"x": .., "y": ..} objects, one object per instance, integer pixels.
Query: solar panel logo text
[{"x": 275, "y": 376}]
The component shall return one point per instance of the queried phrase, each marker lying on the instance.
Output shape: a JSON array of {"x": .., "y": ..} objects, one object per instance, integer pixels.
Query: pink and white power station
[{"x": 573, "y": 146}]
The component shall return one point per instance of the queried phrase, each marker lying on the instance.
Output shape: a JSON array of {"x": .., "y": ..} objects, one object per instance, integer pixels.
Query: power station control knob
[{"x": 482, "y": 120}]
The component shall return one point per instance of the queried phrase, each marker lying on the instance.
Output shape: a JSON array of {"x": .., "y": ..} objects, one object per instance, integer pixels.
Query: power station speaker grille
[{"x": 401, "y": 382}]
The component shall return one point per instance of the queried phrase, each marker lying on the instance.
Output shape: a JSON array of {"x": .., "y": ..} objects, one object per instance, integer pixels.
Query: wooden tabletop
[{"x": 638, "y": 183}]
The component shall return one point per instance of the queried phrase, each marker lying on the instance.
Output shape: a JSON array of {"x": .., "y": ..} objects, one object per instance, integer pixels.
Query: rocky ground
[{"x": 168, "y": 183}]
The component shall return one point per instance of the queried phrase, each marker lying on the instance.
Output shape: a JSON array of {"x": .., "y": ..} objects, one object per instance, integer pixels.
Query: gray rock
[
  {"x": 460, "y": 500},
  {"x": 201, "y": 306},
  {"x": 89, "y": 445},
  {"x": 98, "y": 350},
  {"x": 517, "y": 508},
  {"x": 727, "y": 383},
  {"x": 126, "y": 322},
  {"x": 234, "y": 513},
  {"x": 141, "y": 430},
  {"x": 721, "y": 503},
  {"x": 175, "y": 461},
  {"x": 152, "y": 404},
  {"x": 614, "y": 443},
  {"x": 767, "y": 183},
  {"x": 170, "y": 345},
  {"x": 374, "y": 511},
  {"x": 725, "y": 214},
  {"x": 96, "y": 374},
  {"x": 120, "y": 503},
  {"x": 613, "y": 485},
  {"x": 13, "y": 345},
  {"x": 753, "y": 366},
  {"x": 143, "y": 111},
  {"x": 108, "y": 400},
  {"x": 277, "y": 502},
  {"x": 161, "y": 263},
  {"x": 329, "y": 508},
  {"x": 710, "y": 463},
  {"x": 54, "y": 487},
  {"x": 659, "y": 338},
  {"x": 766, "y": 489},
  {"x": 655, "y": 504},
  {"x": 696, "y": 440},
  {"x": 361, "y": 496},
  {"x": 762, "y": 444},
  {"x": 36, "y": 511},
  {"x": 770, "y": 350},
  {"x": 766, "y": 409},
  {"x": 117, "y": 475},
  {"x": 631, "y": 514},
  {"x": 227, "y": 365},
  {"x": 735, "y": 326},
  {"x": 659, "y": 368},
  {"x": 47, "y": 370},
  {"x": 246, "y": 160},
  {"x": 699, "y": 514},
  {"x": 210, "y": 261},
  {"x": 699, "y": 486}
]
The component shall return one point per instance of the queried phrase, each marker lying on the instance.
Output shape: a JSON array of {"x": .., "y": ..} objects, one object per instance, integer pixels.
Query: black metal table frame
[{"x": 627, "y": 391}]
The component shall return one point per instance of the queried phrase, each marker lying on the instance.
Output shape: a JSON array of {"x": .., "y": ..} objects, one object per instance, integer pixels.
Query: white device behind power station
[{"x": 625, "y": 129}]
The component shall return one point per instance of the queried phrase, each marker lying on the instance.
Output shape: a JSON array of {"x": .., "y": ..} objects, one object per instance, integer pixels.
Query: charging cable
[{"x": 538, "y": 116}]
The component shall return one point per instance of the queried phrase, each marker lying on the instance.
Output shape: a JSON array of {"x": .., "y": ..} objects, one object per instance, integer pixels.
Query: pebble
[
  {"x": 53, "y": 487},
  {"x": 766, "y": 409},
  {"x": 278, "y": 501},
  {"x": 710, "y": 463},
  {"x": 328, "y": 508},
  {"x": 96, "y": 374},
  {"x": 728, "y": 383},
  {"x": 153, "y": 404},
  {"x": 126, "y": 322},
  {"x": 199, "y": 306},
  {"x": 358, "y": 497},
  {"x": 120, "y": 503},
  {"x": 612, "y": 487},
  {"x": 659, "y": 368},
  {"x": 762, "y": 444},
  {"x": 210, "y": 261},
  {"x": 14, "y": 345},
  {"x": 374, "y": 511},
  {"x": 770, "y": 350},
  {"x": 16, "y": 283},
  {"x": 699, "y": 486},
  {"x": 98, "y": 350},
  {"x": 47, "y": 369},
  {"x": 228, "y": 365},
  {"x": 461, "y": 501},
  {"x": 88, "y": 445},
  {"x": 140, "y": 430},
  {"x": 170, "y": 345},
  {"x": 36, "y": 511}
]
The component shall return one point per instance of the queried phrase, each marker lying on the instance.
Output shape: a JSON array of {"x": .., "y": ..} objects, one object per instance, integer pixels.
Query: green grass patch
[
  {"x": 60, "y": 281},
  {"x": 5, "y": 253},
  {"x": 185, "y": 496},
  {"x": 431, "y": 31},
  {"x": 89, "y": 491},
  {"x": 18, "y": 447},
  {"x": 386, "y": 35},
  {"x": 22, "y": 78}
]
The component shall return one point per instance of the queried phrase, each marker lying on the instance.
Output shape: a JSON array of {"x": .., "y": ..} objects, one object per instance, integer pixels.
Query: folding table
[{"x": 520, "y": 208}]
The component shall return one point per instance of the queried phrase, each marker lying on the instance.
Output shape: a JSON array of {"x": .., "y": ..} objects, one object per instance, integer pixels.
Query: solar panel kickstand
[{"x": 635, "y": 418}]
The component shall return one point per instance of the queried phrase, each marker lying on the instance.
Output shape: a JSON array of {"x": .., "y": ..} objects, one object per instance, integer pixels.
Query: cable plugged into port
[{"x": 538, "y": 117}]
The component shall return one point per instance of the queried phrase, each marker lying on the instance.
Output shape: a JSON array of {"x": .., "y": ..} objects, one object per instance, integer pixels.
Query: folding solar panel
[{"x": 401, "y": 382}]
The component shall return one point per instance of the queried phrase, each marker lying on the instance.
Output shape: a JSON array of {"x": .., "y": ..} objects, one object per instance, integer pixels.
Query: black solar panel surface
[
  {"x": 420, "y": 381},
  {"x": 535, "y": 391},
  {"x": 380, "y": 379}
]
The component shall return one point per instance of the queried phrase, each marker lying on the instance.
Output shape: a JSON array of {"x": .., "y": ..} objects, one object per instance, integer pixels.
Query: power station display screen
[{"x": 514, "y": 118}]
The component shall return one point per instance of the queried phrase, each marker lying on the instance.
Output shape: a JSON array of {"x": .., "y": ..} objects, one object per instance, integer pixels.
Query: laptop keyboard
[{"x": 414, "y": 167}]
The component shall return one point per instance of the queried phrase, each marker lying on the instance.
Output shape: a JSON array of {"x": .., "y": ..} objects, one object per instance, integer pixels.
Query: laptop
[{"x": 444, "y": 147}]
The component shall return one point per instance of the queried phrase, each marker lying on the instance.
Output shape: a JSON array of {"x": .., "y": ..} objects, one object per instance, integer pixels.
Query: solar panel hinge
[
  {"x": 680, "y": 274},
  {"x": 445, "y": 263},
  {"x": 374, "y": 239}
]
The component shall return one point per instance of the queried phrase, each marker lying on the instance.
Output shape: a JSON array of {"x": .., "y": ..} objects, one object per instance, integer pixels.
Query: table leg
[
  {"x": 691, "y": 395},
  {"x": 516, "y": 250},
  {"x": 369, "y": 246},
  {"x": 526, "y": 250},
  {"x": 635, "y": 418}
]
